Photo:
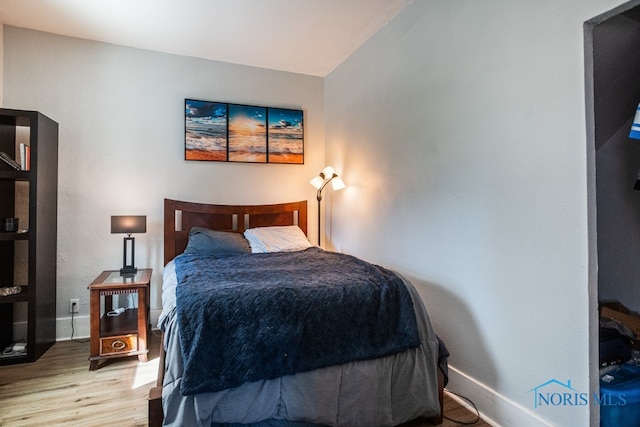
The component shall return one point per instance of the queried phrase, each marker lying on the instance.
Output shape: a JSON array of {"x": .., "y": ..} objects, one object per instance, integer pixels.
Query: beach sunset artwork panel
[
  {"x": 205, "y": 130},
  {"x": 285, "y": 136},
  {"x": 247, "y": 133}
]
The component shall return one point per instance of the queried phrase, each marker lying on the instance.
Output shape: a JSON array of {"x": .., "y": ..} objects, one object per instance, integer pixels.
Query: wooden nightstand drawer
[{"x": 118, "y": 345}]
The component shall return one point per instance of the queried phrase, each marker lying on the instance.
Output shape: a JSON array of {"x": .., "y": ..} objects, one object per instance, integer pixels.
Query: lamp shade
[
  {"x": 128, "y": 224},
  {"x": 337, "y": 183},
  {"x": 635, "y": 126},
  {"x": 328, "y": 171},
  {"x": 317, "y": 182}
]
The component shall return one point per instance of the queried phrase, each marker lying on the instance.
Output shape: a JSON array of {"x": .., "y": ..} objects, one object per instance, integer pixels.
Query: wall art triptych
[{"x": 223, "y": 132}]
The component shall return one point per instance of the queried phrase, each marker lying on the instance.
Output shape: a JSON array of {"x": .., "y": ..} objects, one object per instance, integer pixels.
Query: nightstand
[{"x": 119, "y": 313}]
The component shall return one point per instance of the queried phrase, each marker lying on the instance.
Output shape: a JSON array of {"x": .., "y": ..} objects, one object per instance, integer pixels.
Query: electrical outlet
[{"x": 74, "y": 305}]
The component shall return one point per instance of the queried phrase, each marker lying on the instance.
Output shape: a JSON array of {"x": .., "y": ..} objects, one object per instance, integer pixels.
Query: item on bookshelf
[
  {"x": 8, "y": 160},
  {"x": 25, "y": 157},
  {"x": 17, "y": 349},
  {"x": 10, "y": 290},
  {"x": 10, "y": 225}
]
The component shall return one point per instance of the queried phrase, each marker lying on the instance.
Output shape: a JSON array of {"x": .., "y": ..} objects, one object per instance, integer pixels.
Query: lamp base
[
  {"x": 128, "y": 268},
  {"x": 128, "y": 271}
]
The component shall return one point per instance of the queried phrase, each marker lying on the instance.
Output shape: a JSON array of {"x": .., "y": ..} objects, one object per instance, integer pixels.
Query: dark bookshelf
[{"x": 40, "y": 183}]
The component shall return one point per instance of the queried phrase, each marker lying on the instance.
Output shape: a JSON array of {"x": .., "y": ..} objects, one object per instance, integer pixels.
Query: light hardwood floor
[{"x": 59, "y": 390}]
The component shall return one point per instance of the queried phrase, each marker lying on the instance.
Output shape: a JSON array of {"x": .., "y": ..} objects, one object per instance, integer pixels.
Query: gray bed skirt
[{"x": 381, "y": 392}]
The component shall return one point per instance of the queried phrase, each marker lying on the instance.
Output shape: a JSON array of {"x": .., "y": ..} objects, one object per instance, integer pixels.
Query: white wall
[
  {"x": 460, "y": 132},
  {"x": 121, "y": 117}
]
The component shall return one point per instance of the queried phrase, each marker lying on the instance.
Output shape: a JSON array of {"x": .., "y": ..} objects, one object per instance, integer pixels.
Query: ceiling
[{"x": 301, "y": 36}]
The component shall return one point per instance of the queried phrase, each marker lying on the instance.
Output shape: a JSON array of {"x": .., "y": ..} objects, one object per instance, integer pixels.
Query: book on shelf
[
  {"x": 8, "y": 160},
  {"x": 25, "y": 157}
]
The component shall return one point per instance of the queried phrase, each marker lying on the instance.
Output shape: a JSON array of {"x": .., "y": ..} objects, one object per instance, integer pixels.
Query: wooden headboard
[{"x": 180, "y": 216}]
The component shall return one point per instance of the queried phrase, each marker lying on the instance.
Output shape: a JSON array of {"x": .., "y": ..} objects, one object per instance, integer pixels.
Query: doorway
[{"x": 612, "y": 93}]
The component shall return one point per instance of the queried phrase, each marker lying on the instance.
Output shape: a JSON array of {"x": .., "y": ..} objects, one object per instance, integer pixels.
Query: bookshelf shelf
[
  {"x": 15, "y": 175},
  {"x": 4, "y": 236}
]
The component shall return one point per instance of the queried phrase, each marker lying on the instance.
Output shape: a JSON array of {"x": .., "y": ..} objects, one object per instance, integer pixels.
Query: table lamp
[{"x": 128, "y": 224}]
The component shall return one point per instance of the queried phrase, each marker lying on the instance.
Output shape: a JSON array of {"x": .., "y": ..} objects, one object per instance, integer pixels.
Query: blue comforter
[{"x": 247, "y": 317}]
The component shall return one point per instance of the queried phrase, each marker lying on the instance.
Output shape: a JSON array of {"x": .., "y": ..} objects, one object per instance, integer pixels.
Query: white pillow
[{"x": 276, "y": 239}]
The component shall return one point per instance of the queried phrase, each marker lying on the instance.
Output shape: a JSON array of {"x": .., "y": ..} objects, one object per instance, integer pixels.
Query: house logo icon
[{"x": 557, "y": 393}]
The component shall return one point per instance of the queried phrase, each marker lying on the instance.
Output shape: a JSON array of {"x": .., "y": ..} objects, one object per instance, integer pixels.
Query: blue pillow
[{"x": 205, "y": 241}]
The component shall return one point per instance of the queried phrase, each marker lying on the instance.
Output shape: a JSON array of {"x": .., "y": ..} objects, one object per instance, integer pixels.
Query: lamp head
[
  {"x": 337, "y": 183},
  {"x": 317, "y": 181},
  {"x": 328, "y": 171},
  {"x": 128, "y": 224},
  {"x": 327, "y": 175}
]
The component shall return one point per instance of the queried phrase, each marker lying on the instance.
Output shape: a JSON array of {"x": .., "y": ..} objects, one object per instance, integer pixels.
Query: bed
[{"x": 214, "y": 369}]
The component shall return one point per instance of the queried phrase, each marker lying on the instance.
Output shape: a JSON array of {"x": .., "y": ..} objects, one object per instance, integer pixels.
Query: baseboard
[
  {"x": 65, "y": 331},
  {"x": 80, "y": 328},
  {"x": 494, "y": 408}
]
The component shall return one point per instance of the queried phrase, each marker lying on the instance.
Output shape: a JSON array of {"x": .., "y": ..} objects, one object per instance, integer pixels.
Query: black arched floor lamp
[{"x": 327, "y": 175}]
